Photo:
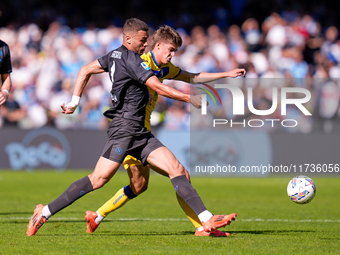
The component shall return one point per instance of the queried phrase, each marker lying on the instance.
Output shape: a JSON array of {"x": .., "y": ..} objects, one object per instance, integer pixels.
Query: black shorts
[{"x": 129, "y": 138}]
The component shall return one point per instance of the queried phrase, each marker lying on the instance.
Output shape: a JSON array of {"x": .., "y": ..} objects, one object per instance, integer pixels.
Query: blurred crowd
[{"x": 285, "y": 47}]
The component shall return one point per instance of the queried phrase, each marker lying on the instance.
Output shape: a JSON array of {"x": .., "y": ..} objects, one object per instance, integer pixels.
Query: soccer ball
[{"x": 301, "y": 189}]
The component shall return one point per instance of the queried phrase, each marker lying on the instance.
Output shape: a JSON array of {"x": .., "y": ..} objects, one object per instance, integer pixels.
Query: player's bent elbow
[{"x": 85, "y": 71}]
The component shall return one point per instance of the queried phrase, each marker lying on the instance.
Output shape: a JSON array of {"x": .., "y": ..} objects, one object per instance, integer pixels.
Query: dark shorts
[{"x": 128, "y": 138}]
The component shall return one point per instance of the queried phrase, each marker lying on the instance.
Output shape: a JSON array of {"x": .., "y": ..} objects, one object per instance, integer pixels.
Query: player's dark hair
[
  {"x": 134, "y": 25},
  {"x": 166, "y": 34}
]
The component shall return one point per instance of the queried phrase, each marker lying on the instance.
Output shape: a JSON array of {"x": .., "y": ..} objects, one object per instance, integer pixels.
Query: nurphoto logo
[{"x": 238, "y": 100}]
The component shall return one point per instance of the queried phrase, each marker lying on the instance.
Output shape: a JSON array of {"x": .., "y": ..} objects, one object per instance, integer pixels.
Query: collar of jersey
[{"x": 154, "y": 59}]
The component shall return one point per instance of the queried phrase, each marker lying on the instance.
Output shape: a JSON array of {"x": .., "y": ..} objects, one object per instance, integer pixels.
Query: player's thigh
[
  {"x": 165, "y": 160},
  {"x": 103, "y": 172}
]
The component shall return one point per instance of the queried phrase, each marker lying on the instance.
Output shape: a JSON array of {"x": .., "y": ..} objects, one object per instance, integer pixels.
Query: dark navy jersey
[
  {"x": 5, "y": 58},
  {"x": 128, "y": 73}
]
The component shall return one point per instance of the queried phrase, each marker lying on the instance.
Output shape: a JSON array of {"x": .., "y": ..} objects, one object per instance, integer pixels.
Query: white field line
[{"x": 174, "y": 219}]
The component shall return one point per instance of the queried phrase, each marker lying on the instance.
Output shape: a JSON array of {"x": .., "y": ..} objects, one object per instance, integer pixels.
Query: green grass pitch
[{"x": 153, "y": 223}]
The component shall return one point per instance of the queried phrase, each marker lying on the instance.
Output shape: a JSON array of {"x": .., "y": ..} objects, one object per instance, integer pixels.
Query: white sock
[
  {"x": 205, "y": 216},
  {"x": 99, "y": 218},
  {"x": 200, "y": 228},
  {"x": 46, "y": 212}
]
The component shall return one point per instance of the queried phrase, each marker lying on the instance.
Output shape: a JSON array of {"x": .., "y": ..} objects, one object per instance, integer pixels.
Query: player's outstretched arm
[
  {"x": 5, "y": 88},
  {"x": 81, "y": 81},
  {"x": 208, "y": 77},
  {"x": 172, "y": 93}
]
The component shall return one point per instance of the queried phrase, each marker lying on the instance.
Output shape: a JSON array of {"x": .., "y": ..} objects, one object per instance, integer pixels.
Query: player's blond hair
[
  {"x": 166, "y": 34},
  {"x": 134, "y": 25}
]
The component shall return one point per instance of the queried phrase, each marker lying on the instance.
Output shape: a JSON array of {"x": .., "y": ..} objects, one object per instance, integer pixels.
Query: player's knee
[
  {"x": 97, "y": 182},
  {"x": 180, "y": 170},
  {"x": 177, "y": 170},
  {"x": 187, "y": 174}
]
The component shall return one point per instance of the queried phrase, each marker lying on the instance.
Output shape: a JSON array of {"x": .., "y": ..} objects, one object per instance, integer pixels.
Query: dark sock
[
  {"x": 188, "y": 193},
  {"x": 128, "y": 192},
  {"x": 71, "y": 194}
]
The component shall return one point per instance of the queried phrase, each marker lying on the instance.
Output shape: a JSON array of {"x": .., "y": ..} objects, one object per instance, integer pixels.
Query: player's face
[
  {"x": 166, "y": 52},
  {"x": 139, "y": 41}
]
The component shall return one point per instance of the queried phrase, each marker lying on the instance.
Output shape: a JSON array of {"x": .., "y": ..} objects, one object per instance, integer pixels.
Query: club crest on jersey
[
  {"x": 145, "y": 66},
  {"x": 116, "y": 54},
  {"x": 119, "y": 150}
]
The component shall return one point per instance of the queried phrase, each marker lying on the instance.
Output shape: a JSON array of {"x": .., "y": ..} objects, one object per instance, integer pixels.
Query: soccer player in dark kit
[
  {"x": 165, "y": 42},
  {"x": 127, "y": 135},
  {"x": 5, "y": 70}
]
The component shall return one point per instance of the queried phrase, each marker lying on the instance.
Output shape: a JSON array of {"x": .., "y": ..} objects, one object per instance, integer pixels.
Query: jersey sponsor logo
[
  {"x": 145, "y": 66},
  {"x": 116, "y": 54}
]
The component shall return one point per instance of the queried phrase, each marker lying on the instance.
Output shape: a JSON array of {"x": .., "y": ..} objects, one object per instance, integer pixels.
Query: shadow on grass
[
  {"x": 53, "y": 222},
  {"x": 14, "y": 213},
  {"x": 31, "y": 212},
  {"x": 180, "y": 233},
  {"x": 109, "y": 233},
  {"x": 125, "y": 233},
  {"x": 269, "y": 232},
  {"x": 258, "y": 232}
]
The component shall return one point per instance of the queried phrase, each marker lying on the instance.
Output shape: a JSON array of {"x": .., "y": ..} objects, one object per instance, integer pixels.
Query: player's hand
[
  {"x": 72, "y": 106},
  {"x": 3, "y": 97},
  {"x": 196, "y": 101},
  {"x": 237, "y": 72},
  {"x": 66, "y": 109}
]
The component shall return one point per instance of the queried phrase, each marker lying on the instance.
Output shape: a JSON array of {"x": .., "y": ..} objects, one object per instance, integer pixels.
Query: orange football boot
[
  {"x": 212, "y": 233},
  {"x": 218, "y": 221},
  {"x": 90, "y": 219},
  {"x": 36, "y": 221}
]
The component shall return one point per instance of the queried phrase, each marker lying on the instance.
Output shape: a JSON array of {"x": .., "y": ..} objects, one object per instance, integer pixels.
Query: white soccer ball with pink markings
[{"x": 301, "y": 189}]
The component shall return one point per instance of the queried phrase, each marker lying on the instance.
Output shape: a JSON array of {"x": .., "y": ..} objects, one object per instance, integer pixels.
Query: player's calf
[{"x": 139, "y": 175}]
